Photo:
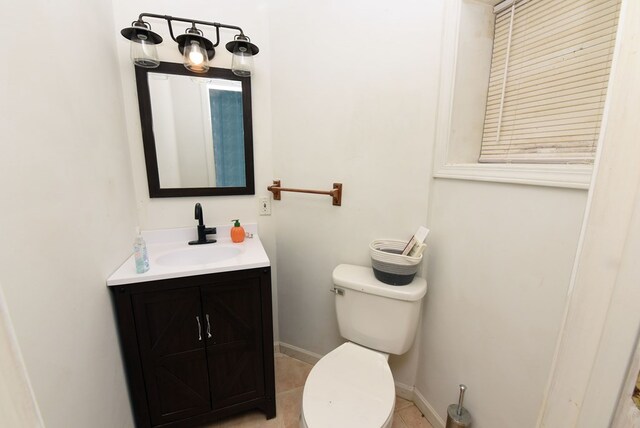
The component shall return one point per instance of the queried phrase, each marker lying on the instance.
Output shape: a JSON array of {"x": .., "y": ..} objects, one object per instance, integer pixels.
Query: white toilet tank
[{"x": 374, "y": 314}]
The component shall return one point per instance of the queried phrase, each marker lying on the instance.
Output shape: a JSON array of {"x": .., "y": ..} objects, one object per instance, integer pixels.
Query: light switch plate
[{"x": 265, "y": 205}]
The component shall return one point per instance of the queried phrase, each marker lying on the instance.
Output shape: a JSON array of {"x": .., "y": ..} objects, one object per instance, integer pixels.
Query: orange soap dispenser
[{"x": 237, "y": 232}]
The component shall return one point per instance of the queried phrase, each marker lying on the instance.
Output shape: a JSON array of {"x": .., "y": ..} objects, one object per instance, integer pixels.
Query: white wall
[
  {"x": 500, "y": 260},
  {"x": 18, "y": 407},
  {"x": 356, "y": 86},
  {"x": 68, "y": 208}
]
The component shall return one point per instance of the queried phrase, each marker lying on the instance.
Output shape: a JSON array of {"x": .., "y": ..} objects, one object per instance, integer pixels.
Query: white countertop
[{"x": 162, "y": 242}]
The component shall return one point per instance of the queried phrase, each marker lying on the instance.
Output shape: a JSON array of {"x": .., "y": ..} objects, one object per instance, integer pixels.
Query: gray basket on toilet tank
[{"x": 388, "y": 263}]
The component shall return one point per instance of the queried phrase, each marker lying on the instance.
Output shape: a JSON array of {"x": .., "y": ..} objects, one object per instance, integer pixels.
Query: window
[
  {"x": 537, "y": 71},
  {"x": 548, "y": 80}
]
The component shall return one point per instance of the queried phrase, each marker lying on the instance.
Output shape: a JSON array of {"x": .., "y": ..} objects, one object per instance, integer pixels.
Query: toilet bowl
[{"x": 350, "y": 387}]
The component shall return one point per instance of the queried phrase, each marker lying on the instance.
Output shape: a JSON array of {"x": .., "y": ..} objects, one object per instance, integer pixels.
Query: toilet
[{"x": 352, "y": 386}]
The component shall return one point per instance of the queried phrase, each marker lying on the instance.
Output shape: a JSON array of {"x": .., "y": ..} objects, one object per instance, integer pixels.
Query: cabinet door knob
[
  {"x": 208, "y": 327},
  {"x": 199, "y": 328}
]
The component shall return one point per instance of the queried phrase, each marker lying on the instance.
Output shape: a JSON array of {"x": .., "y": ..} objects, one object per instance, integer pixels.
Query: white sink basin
[
  {"x": 198, "y": 255},
  {"x": 171, "y": 257}
]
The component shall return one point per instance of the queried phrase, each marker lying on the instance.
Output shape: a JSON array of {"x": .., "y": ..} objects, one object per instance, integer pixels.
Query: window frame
[{"x": 577, "y": 176}]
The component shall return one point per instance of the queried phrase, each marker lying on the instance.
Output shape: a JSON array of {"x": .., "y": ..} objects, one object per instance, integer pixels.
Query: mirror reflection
[{"x": 196, "y": 131}]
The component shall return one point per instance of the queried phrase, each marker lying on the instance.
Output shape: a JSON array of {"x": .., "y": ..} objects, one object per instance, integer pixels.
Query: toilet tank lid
[{"x": 361, "y": 278}]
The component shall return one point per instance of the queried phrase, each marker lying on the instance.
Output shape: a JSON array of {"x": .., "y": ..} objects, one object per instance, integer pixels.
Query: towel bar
[{"x": 335, "y": 193}]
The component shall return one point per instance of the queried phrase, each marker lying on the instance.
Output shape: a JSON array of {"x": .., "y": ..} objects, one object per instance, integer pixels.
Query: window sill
[{"x": 567, "y": 176}]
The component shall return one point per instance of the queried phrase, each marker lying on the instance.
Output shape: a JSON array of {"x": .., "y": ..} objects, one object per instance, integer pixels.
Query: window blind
[{"x": 548, "y": 81}]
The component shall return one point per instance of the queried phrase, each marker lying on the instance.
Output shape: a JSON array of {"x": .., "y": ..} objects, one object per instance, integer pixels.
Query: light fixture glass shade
[
  {"x": 195, "y": 57},
  {"x": 243, "y": 52},
  {"x": 196, "y": 50},
  {"x": 143, "y": 43},
  {"x": 242, "y": 62},
  {"x": 144, "y": 53}
]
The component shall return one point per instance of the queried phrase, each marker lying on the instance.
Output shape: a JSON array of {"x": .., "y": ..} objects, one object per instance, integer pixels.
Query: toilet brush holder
[{"x": 457, "y": 415}]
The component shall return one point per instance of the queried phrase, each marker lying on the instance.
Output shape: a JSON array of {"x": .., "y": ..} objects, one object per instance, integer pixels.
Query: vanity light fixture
[{"x": 196, "y": 50}]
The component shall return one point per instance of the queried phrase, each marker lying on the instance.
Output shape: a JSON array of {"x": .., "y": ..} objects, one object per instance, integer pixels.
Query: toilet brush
[{"x": 458, "y": 416}]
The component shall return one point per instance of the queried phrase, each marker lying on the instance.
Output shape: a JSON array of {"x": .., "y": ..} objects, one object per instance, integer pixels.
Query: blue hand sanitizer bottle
[{"x": 140, "y": 253}]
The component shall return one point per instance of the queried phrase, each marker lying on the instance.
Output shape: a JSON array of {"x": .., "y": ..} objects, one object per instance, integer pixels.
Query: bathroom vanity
[{"x": 196, "y": 330}]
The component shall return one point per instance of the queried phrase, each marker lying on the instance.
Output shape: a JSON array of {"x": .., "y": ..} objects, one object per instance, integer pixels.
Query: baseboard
[
  {"x": 426, "y": 409},
  {"x": 276, "y": 347},
  {"x": 299, "y": 353},
  {"x": 404, "y": 391}
]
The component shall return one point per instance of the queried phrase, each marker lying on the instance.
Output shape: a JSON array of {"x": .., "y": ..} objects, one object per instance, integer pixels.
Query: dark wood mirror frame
[{"x": 148, "y": 139}]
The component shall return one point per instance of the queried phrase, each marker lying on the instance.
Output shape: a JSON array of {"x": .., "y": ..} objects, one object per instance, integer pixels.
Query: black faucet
[{"x": 202, "y": 230}]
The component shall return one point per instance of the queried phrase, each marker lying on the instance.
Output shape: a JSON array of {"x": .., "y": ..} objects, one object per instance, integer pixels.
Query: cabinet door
[
  {"x": 171, "y": 340},
  {"x": 234, "y": 347}
]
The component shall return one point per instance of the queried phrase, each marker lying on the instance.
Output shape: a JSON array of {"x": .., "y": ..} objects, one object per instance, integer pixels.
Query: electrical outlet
[{"x": 265, "y": 205}]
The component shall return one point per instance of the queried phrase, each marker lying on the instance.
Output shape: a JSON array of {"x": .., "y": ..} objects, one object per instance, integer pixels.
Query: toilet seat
[{"x": 350, "y": 387}]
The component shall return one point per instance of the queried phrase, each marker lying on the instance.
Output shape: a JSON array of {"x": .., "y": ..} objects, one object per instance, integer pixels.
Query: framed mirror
[{"x": 196, "y": 131}]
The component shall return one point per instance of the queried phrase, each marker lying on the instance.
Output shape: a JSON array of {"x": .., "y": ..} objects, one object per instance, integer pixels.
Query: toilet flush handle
[{"x": 338, "y": 291}]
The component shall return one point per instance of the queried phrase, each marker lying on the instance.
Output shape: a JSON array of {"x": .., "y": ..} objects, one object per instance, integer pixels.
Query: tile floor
[{"x": 290, "y": 377}]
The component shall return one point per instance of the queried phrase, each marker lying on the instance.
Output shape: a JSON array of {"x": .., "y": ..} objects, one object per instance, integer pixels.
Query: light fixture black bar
[{"x": 190, "y": 21}]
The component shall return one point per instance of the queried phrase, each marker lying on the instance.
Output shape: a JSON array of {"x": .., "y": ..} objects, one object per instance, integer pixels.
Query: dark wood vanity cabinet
[{"x": 199, "y": 348}]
